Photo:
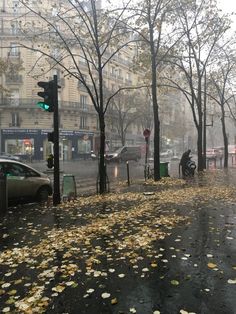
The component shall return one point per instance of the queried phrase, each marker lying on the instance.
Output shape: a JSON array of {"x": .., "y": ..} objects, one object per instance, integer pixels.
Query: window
[
  {"x": 113, "y": 71},
  {"x": 15, "y": 5},
  {"x": 120, "y": 74},
  {"x": 14, "y": 98},
  {"x": 14, "y": 50},
  {"x": 84, "y": 146},
  {"x": 128, "y": 76},
  {"x": 15, "y": 119},
  {"x": 55, "y": 11},
  {"x": 55, "y": 53},
  {"x": 19, "y": 146},
  {"x": 83, "y": 102},
  {"x": 14, "y": 28},
  {"x": 15, "y": 170},
  {"x": 82, "y": 61},
  {"x": 83, "y": 122}
]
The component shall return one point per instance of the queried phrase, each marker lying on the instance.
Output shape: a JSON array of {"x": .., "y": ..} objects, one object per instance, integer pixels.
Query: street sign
[{"x": 146, "y": 133}]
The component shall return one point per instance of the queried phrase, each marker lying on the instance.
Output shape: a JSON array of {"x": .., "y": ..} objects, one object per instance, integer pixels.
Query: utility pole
[{"x": 56, "y": 186}]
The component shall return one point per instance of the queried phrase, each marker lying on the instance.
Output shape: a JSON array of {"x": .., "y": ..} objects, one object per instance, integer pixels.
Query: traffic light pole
[{"x": 56, "y": 184}]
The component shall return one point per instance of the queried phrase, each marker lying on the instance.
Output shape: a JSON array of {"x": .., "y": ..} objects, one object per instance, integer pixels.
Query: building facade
[{"x": 23, "y": 125}]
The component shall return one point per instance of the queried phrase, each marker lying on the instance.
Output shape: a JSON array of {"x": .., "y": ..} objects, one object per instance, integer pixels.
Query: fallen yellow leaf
[
  {"x": 211, "y": 265},
  {"x": 174, "y": 282},
  {"x": 154, "y": 265},
  {"x": 114, "y": 301},
  {"x": 58, "y": 288}
]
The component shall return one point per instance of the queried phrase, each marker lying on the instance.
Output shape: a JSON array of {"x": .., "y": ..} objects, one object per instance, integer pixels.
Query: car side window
[
  {"x": 13, "y": 170},
  {"x": 29, "y": 172}
]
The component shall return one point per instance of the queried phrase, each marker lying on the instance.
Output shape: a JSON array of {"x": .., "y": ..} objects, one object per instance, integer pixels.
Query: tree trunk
[
  {"x": 225, "y": 138},
  {"x": 200, "y": 125},
  {"x": 156, "y": 142},
  {"x": 102, "y": 166},
  {"x": 157, "y": 175},
  {"x": 199, "y": 146},
  {"x": 122, "y": 137}
]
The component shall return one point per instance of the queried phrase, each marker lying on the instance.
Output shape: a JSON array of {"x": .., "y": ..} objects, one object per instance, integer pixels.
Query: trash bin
[
  {"x": 3, "y": 193},
  {"x": 164, "y": 169}
]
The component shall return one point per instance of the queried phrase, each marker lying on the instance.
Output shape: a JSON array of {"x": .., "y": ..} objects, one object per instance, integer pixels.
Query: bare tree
[
  {"x": 158, "y": 34},
  {"x": 146, "y": 111},
  {"x": 77, "y": 33},
  {"x": 222, "y": 82},
  {"x": 202, "y": 28},
  {"x": 123, "y": 112}
]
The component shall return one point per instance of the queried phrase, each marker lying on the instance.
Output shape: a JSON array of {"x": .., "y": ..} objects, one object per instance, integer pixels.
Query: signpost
[{"x": 146, "y": 134}]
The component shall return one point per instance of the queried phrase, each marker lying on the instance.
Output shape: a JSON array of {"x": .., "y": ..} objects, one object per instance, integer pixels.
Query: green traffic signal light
[
  {"x": 43, "y": 105},
  {"x": 49, "y": 90}
]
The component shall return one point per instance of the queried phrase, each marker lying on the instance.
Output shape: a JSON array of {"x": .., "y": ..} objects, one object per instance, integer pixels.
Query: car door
[
  {"x": 13, "y": 179},
  {"x": 19, "y": 185}
]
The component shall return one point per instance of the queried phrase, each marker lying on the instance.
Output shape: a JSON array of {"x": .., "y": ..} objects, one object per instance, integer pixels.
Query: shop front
[
  {"x": 33, "y": 144},
  {"x": 24, "y": 143}
]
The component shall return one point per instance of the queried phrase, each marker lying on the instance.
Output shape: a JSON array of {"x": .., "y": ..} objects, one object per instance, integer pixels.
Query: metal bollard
[
  {"x": 3, "y": 193},
  {"x": 127, "y": 167}
]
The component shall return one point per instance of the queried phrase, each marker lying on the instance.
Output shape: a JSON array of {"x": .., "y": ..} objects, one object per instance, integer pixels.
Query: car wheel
[{"x": 42, "y": 195}]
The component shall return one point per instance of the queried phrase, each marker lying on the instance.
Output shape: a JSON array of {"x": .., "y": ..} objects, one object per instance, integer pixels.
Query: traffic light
[
  {"x": 51, "y": 137},
  {"x": 50, "y": 161},
  {"x": 48, "y": 96}
]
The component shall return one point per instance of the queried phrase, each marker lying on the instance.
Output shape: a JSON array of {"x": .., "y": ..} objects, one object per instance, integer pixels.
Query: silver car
[{"x": 25, "y": 183}]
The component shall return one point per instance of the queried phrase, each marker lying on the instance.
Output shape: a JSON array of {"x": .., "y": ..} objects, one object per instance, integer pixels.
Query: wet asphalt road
[
  {"x": 88, "y": 255},
  {"x": 86, "y": 172}
]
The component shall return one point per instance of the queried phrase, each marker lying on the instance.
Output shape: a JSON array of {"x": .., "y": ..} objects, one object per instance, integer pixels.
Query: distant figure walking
[{"x": 183, "y": 162}]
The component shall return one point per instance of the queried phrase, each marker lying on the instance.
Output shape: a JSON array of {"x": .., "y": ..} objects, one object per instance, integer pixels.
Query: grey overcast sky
[{"x": 227, "y": 5}]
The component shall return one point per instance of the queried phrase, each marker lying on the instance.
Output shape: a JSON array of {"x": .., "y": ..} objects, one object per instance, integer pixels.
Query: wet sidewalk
[{"x": 165, "y": 247}]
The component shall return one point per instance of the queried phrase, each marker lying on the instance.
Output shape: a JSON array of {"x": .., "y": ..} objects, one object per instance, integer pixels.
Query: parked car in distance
[
  {"x": 25, "y": 184},
  {"x": 220, "y": 150},
  {"x": 9, "y": 156},
  {"x": 214, "y": 153},
  {"x": 166, "y": 154},
  {"x": 124, "y": 153},
  {"x": 232, "y": 149}
]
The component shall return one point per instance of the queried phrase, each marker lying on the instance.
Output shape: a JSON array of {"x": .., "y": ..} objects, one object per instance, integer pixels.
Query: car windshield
[{"x": 118, "y": 150}]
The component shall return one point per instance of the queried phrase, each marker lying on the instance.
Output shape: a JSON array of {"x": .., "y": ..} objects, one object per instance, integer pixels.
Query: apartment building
[{"x": 23, "y": 125}]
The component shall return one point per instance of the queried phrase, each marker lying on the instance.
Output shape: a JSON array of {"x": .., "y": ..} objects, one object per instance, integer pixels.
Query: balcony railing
[
  {"x": 25, "y": 103},
  {"x": 10, "y": 31},
  {"x": 84, "y": 127},
  {"x": 14, "y": 54},
  {"x": 13, "y": 80}
]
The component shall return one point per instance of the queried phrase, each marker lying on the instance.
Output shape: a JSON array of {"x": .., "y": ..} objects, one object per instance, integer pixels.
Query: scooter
[{"x": 190, "y": 168}]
